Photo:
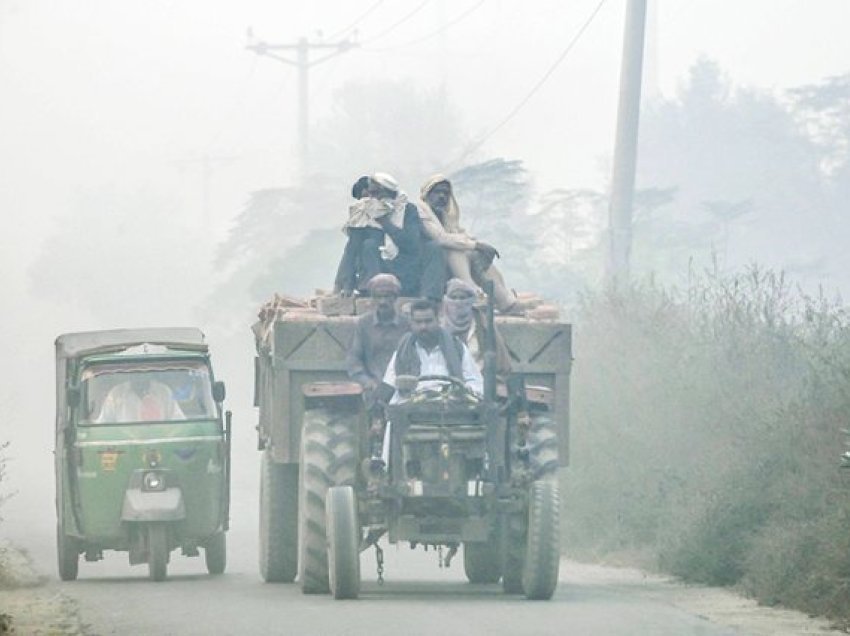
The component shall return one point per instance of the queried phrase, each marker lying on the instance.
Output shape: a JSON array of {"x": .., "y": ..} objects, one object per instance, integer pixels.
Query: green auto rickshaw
[{"x": 142, "y": 449}]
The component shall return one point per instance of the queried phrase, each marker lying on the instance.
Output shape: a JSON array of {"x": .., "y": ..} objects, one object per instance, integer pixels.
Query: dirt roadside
[
  {"x": 28, "y": 606},
  {"x": 716, "y": 605}
]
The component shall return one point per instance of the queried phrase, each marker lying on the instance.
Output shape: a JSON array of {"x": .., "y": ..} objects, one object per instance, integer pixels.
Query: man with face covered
[
  {"x": 463, "y": 319},
  {"x": 468, "y": 259},
  {"x": 400, "y": 248}
]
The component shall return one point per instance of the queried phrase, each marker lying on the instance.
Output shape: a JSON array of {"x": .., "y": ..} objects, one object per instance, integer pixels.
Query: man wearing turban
[
  {"x": 376, "y": 335},
  {"x": 468, "y": 259},
  {"x": 463, "y": 319},
  {"x": 402, "y": 249}
]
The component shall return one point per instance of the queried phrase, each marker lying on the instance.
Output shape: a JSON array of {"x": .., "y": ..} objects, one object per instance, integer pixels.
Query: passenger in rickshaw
[{"x": 140, "y": 399}]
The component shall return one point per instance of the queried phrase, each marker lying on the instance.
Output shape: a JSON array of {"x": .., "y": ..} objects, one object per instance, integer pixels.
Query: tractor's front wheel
[
  {"x": 343, "y": 542},
  {"x": 542, "y": 554}
]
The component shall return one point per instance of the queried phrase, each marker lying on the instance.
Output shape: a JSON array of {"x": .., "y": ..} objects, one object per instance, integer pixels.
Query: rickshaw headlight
[{"x": 153, "y": 481}]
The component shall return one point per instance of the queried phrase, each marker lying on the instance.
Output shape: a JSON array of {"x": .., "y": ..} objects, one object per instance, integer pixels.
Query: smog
[{"x": 188, "y": 165}]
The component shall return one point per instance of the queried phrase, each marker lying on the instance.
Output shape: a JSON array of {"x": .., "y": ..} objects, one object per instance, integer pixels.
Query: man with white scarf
[
  {"x": 465, "y": 320},
  {"x": 468, "y": 259},
  {"x": 417, "y": 262}
]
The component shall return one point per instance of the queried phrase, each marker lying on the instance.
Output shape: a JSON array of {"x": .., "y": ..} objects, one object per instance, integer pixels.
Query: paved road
[{"x": 417, "y": 598}]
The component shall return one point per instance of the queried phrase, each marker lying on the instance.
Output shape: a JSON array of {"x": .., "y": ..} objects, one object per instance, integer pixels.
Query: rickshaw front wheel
[
  {"x": 157, "y": 551},
  {"x": 67, "y": 554},
  {"x": 215, "y": 553}
]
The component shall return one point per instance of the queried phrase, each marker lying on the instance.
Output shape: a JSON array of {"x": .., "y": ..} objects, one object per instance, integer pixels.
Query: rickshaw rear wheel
[
  {"x": 157, "y": 551},
  {"x": 68, "y": 555},
  {"x": 215, "y": 553}
]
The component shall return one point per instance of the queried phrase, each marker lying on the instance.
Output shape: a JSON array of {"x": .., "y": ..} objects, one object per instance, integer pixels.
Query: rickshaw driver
[{"x": 140, "y": 399}]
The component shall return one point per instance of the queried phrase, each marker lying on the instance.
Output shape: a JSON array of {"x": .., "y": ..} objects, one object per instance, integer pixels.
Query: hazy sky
[{"x": 129, "y": 95}]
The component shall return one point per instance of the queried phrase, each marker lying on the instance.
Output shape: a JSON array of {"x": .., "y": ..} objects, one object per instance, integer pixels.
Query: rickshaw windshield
[{"x": 114, "y": 393}]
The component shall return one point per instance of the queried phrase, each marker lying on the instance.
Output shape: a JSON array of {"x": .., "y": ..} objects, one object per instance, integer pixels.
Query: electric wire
[
  {"x": 357, "y": 20},
  {"x": 563, "y": 55},
  {"x": 443, "y": 28},
  {"x": 397, "y": 24}
]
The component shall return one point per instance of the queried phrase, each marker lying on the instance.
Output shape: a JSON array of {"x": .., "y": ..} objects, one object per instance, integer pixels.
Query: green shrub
[{"x": 707, "y": 434}]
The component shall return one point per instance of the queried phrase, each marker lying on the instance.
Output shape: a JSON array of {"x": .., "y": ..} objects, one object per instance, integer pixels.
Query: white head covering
[{"x": 385, "y": 180}]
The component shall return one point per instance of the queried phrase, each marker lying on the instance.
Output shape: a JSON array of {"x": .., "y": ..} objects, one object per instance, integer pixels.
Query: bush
[{"x": 707, "y": 434}]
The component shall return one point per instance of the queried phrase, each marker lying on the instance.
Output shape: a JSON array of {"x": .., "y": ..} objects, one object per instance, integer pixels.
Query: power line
[
  {"x": 391, "y": 28},
  {"x": 357, "y": 20},
  {"x": 443, "y": 28},
  {"x": 475, "y": 146}
]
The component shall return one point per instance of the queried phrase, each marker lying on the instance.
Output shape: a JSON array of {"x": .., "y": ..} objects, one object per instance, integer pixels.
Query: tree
[
  {"x": 287, "y": 239},
  {"x": 725, "y": 148}
]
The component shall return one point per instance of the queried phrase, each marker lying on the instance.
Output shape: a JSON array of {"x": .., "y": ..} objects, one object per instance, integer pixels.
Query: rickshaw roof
[{"x": 71, "y": 345}]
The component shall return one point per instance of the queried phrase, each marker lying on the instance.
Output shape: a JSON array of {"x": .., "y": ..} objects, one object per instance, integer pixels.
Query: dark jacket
[{"x": 407, "y": 360}]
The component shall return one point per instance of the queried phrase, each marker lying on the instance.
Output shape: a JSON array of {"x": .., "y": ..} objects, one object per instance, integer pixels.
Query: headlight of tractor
[{"x": 153, "y": 481}]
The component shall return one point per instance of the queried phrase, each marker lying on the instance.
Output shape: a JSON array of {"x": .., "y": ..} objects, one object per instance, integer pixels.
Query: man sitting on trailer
[
  {"x": 376, "y": 336},
  {"x": 361, "y": 258},
  {"x": 469, "y": 259},
  {"x": 468, "y": 322}
]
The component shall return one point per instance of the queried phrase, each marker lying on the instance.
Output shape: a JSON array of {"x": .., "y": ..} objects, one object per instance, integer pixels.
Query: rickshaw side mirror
[
  {"x": 218, "y": 391},
  {"x": 74, "y": 396}
]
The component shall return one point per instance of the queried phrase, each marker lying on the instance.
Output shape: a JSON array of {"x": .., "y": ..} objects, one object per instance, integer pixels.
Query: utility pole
[
  {"x": 302, "y": 62},
  {"x": 625, "y": 149}
]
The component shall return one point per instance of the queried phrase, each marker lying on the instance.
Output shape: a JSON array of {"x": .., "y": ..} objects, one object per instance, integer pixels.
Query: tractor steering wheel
[{"x": 449, "y": 379}]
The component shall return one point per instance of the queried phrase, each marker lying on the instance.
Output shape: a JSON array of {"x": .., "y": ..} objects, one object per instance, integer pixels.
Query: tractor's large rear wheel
[
  {"x": 513, "y": 540},
  {"x": 329, "y": 450},
  {"x": 278, "y": 520},
  {"x": 481, "y": 562},
  {"x": 343, "y": 532},
  {"x": 542, "y": 554},
  {"x": 543, "y": 446}
]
